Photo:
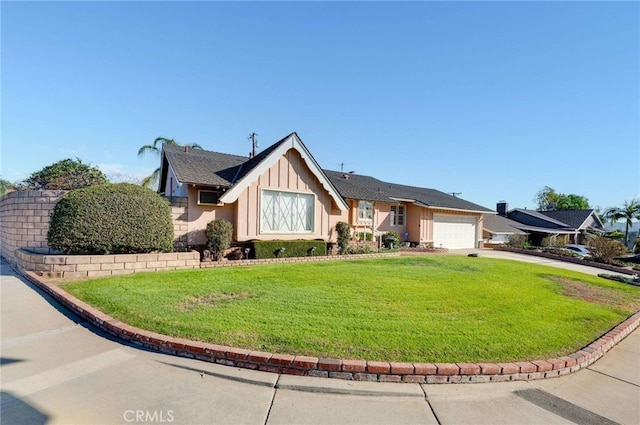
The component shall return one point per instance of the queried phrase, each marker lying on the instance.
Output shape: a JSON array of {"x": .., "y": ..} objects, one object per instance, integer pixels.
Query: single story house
[
  {"x": 498, "y": 229},
  {"x": 570, "y": 225},
  {"x": 283, "y": 194}
]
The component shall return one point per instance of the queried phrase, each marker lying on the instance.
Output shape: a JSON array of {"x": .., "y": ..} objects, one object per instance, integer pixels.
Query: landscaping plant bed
[
  {"x": 410, "y": 308},
  {"x": 567, "y": 258}
]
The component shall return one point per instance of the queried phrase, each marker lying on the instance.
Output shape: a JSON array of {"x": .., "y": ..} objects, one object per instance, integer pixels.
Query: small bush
[
  {"x": 518, "y": 241},
  {"x": 391, "y": 238},
  {"x": 552, "y": 242},
  {"x": 360, "y": 249},
  {"x": 301, "y": 248},
  {"x": 605, "y": 250},
  {"x": 344, "y": 234},
  {"x": 219, "y": 233},
  {"x": 364, "y": 236},
  {"x": 111, "y": 219}
]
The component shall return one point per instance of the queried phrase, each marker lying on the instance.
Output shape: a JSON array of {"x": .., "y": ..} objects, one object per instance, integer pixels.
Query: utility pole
[
  {"x": 254, "y": 144},
  {"x": 342, "y": 167}
]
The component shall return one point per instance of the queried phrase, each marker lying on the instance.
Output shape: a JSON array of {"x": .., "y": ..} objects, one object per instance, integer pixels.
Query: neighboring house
[
  {"x": 569, "y": 225},
  {"x": 282, "y": 193},
  {"x": 498, "y": 229}
]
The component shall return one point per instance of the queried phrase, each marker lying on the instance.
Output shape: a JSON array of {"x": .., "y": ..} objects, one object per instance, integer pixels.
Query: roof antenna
[
  {"x": 254, "y": 144},
  {"x": 455, "y": 194}
]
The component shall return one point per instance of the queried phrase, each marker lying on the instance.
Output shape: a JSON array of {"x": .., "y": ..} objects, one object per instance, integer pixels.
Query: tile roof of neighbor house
[
  {"x": 209, "y": 168},
  {"x": 572, "y": 218},
  {"x": 355, "y": 186},
  {"x": 497, "y": 224}
]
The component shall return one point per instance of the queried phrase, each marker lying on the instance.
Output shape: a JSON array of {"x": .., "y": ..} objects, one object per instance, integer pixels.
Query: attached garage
[{"x": 454, "y": 231}]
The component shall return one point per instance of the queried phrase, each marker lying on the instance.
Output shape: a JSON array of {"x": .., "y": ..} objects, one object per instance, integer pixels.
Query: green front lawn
[{"x": 413, "y": 308}]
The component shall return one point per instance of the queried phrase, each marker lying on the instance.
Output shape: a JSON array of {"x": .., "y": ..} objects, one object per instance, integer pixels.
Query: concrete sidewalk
[{"x": 56, "y": 369}]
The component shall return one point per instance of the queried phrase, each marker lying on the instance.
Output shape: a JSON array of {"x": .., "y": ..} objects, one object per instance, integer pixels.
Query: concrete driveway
[{"x": 57, "y": 370}]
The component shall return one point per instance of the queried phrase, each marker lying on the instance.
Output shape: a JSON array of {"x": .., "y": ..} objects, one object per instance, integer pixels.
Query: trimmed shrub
[
  {"x": 219, "y": 233},
  {"x": 605, "y": 249},
  {"x": 344, "y": 234},
  {"x": 301, "y": 248},
  {"x": 518, "y": 241},
  {"x": 111, "y": 219},
  {"x": 391, "y": 238}
]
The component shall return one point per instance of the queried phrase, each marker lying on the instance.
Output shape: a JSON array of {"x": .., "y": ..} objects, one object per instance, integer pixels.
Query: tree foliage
[
  {"x": 5, "y": 186},
  {"x": 629, "y": 211},
  {"x": 156, "y": 149},
  {"x": 111, "y": 219},
  {"x": 605, "y": 249},
  {"x": 67, "y": 174},
  {"x": 547, "y": 199}
]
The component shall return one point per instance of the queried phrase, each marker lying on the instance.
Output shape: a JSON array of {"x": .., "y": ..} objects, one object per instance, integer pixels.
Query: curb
[{"x": 355, "y": 370}]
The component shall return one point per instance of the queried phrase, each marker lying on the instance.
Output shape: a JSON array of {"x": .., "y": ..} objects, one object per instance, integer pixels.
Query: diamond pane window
[{"x": 286, "y": 212}]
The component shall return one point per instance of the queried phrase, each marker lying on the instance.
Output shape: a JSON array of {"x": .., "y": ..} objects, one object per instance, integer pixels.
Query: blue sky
[{"x": 494, "y": 100}]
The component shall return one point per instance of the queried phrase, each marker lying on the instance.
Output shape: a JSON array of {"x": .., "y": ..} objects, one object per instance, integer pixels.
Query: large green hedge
[
  {"x": 300, "y": 248},
  {"x": 111, "y": 219}
]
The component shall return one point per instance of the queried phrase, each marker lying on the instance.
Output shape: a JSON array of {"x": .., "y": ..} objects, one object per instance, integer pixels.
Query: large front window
[
  {"x": 365, "y": 211},
  {"x": 286, "y": 212}
]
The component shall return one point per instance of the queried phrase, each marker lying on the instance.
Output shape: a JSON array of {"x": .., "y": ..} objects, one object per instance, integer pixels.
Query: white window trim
[
  {"x": 394, "y": 216},
  {"x": 281, "y": 232},
  {"x": 365, "y": 220},
  {"x": 209, "y": 203}
]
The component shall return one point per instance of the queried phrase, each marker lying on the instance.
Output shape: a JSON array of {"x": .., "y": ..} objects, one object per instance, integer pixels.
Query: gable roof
[
  {"x": 207, "y": 168},
  {"x": 499, "y": 225},
  {"x": 573, "y": 218},
  {"x": 236, "y": 173},
  {"x": 259, "y": 164},
  {"x": 355, "y": 186},
  {"x": 570, "y": 220},
  {"x": 195, "y": 166},
  {"x": 538, "y": 215}
]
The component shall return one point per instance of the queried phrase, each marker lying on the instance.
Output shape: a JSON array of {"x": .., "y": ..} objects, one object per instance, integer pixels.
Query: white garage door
[{"x": 454, "y": 231}]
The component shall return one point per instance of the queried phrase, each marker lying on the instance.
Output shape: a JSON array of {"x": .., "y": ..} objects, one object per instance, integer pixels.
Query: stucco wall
[{"x": 24, "y": 221}]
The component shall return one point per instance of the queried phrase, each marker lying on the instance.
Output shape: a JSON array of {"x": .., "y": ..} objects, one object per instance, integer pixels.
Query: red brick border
[{"x": 360, "y": 370}]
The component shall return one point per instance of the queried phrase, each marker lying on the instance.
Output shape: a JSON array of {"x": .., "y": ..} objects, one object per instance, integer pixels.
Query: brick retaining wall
[
  {"x": 78, "y": 266},
  {"x": 358, "y": 370},
  {"x": 24, "y": 221}
]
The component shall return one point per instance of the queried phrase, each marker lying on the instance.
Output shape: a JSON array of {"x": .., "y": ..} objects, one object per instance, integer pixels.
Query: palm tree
[
  {"x": 629, "y": 211},
  {"x": 156, "y": 149}
]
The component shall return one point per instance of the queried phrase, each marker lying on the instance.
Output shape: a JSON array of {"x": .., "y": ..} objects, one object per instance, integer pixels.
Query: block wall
[{"x": 24, "y": 221}]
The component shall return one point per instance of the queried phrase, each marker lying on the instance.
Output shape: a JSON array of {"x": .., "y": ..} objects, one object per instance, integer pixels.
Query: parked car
[{"x": 579, "y": 250}]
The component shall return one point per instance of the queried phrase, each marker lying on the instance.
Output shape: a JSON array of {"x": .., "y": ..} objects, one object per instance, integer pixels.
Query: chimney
[
  {"x": 186, "y": 148},
  {"x": 502, "y": 207}
]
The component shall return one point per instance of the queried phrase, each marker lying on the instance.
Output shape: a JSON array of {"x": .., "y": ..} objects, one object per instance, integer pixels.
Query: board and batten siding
[{"x": 289, "y": 174}]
